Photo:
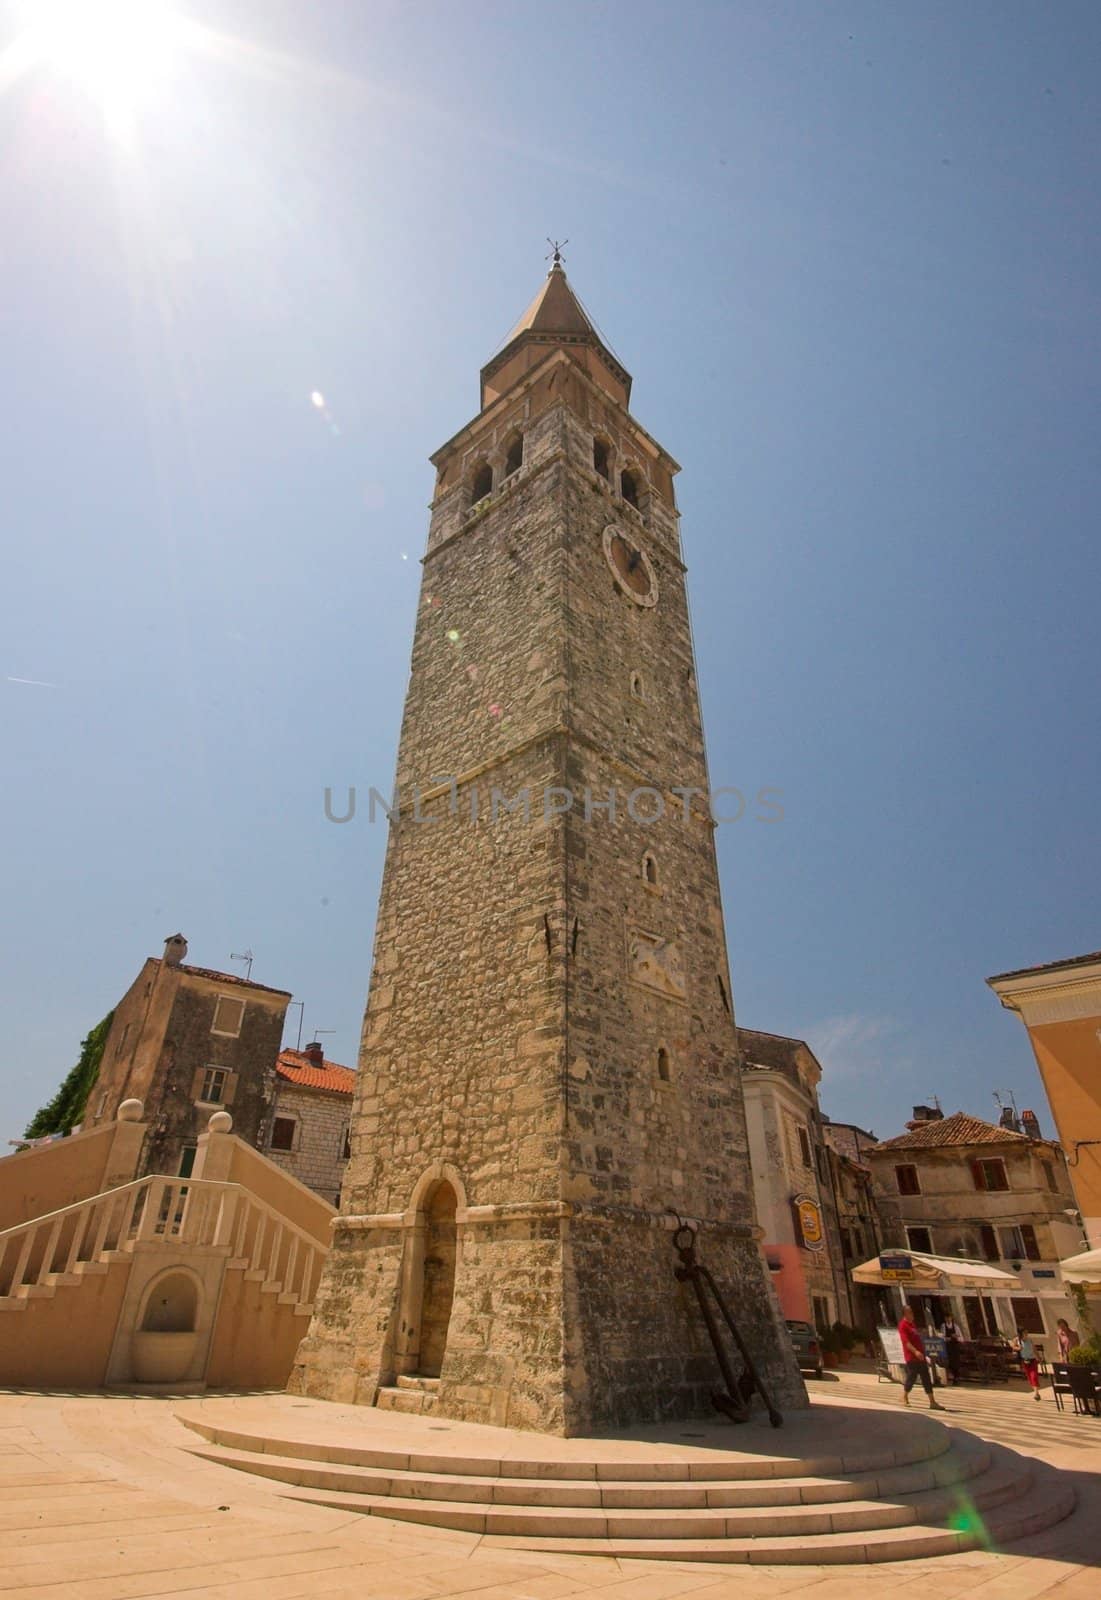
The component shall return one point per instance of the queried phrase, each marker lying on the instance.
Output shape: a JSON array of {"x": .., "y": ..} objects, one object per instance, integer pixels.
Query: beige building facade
[
  {"x": 549, "y": 1069},
  {"x": 960, "y": 1187},
  {"x": 792, "y": 1179}
]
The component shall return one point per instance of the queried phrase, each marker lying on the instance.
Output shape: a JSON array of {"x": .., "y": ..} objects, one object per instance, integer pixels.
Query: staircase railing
[{"x": 176, "y": 1212}]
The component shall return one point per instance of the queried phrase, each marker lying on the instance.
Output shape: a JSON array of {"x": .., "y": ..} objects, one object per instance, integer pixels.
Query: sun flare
[{"x": 115, "y": 49}]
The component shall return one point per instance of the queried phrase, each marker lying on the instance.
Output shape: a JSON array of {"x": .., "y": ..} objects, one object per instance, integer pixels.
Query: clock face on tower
[{"x": 630, "y": 566}]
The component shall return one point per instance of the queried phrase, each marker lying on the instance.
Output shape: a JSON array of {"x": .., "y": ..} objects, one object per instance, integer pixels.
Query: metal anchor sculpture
[{"x": 734, "y": 1403}]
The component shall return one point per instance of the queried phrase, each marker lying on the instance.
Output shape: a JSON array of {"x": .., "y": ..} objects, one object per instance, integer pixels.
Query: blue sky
[{"x": 850, "y": 254}]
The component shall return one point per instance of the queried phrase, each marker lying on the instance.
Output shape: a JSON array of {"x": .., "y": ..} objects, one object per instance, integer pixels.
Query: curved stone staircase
[{"x": 893, "y": 1489}]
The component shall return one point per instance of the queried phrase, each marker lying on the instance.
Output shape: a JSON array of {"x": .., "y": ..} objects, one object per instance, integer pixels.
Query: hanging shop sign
[
  {"x": 809, "y": 1216},
  {"x": 897, "y": 1268}
]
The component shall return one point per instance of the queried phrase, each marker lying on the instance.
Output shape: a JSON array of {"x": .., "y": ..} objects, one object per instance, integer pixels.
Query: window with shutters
[
  {"x": 988, "y": 1240},
  {"x": 1013, "y": 1247},
  {"x": 1030, "y": 1242},
  {"x": 228, "y": 1016},
  {"x": 282, "y": 1133},
  {"x": 907, "y": 1180},
  {"x": 1026, "y": 1313},
  {"x": 989, "y": 1175},
  {"x": 213, "y": 1088}
]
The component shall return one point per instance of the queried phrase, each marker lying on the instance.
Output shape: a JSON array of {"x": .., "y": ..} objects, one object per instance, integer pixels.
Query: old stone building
[
  {"x": 792, "y": 1181},
  {"x": 960, "y": 1187},
  {"x": 859, "y": 1222},
  {"x": 549, "y": 1061},
  {"x": 188, "y": 1041},
  {"x": 308, "y": 1135}
]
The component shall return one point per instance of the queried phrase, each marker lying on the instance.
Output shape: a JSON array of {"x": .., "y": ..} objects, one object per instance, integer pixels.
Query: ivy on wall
[{"x": 66, "y": 1108}]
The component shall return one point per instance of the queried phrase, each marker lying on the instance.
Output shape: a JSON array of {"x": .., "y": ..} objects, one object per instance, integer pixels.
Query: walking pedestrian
[
  {"x": 953, "y": 1339},
  {"x": 913, "y": 1354},
  {"x": 1027, "y": 1352}
]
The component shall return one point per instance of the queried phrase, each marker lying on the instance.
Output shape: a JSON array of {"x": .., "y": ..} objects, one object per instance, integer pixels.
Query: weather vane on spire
[{"x": 556, "y": 248}]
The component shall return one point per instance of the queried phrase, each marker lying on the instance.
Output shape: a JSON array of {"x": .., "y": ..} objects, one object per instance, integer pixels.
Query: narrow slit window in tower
[
  {"x": 628, "y": 488},
  {"x": 514, "y": 456},
  {"x": 600, "y": 457}
]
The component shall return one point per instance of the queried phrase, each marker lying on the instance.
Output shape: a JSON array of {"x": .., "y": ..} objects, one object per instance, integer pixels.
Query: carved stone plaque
[{"x": 656, "y": 963}]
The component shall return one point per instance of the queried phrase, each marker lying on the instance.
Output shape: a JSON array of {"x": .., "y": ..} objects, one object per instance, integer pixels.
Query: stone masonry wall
[
  {"x": 511, "y": 1036},
  {"x": 321, "y": 1122}
]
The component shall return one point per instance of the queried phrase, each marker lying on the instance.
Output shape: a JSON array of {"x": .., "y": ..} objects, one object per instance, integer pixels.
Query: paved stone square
[{"x": 103, "y": 1501}]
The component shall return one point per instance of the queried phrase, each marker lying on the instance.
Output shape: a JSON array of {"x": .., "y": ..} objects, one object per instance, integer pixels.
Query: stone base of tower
[{"x": 562, "y": 1320}]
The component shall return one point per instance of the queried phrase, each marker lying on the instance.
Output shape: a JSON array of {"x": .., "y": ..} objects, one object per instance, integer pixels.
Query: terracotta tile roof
[
  {"x": 955, "y": 1130},
  {"x": 234, "y": 979},
  {"x": 297, "y": 1068},
  {"x": 1049, "y": 966}
]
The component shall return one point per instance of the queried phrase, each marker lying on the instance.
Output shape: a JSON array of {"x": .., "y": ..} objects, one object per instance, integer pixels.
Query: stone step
[
  {"x": 911, "y": 1448},
  {"x": 413, "y": 1402},
  {"x": 954, "y": 1468},
  {"x": 421, "y": 1385},
  {"x": 480, "y": 1512},
  {"x": 1050, "y": 1499}
]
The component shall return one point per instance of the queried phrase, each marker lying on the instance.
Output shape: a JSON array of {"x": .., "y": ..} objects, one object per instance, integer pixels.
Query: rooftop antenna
[
  {"x": 301, "y": 1004},
  {"x": 245, "y": 956},
  {"x": 316, "y": 1031},
  {"x": 1010, "y": 1101}
]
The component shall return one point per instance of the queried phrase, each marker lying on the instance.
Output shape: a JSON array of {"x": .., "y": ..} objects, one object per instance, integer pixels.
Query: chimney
[
  {"x": 1030, "y": 1124},
  {"x": 1008, "y": 1119},
  {"x": 926, "y": 1114},
  {"x": 175, "y": 948},
  {"x": 316, "y": 1053}
]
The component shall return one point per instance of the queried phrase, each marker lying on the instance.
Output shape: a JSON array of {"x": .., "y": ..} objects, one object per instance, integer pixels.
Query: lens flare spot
[
  {"x": 317, "y": 400},
  {"x": 454, "y": 635},
  {"x": 495, "y": 710}
]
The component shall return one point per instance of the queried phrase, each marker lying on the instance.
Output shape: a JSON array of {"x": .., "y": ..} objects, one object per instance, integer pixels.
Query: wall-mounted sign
[
  {"x": 896, "y": 1268},
  {"x": 808, "y": 1215},
  {"x": 1043, "y": 1272}
]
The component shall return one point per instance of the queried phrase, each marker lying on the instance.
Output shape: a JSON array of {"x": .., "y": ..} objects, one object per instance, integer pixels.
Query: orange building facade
[{"x": 1060, "y": 1005}]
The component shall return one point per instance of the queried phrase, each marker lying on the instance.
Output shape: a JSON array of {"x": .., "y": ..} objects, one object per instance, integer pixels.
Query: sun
[{"x": 114, "y": 49}]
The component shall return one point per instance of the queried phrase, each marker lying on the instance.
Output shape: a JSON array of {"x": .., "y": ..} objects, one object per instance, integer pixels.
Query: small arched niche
[
  {"x": 664, "y": 1065},
  {"x": 650, "y": 870},
  {"x": 172, "y": 1305},
  {"x": 638, "y": 691},
  {"x": 440, "y": 1241},
  {"x": 514, "y": 454},
  {"x": 482, "y": 482},
  {"x": 602, "y": 457},
  {"x": 629, "y": 487}
]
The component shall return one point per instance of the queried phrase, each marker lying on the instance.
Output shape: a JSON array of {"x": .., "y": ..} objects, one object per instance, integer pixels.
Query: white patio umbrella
[
  {"x": 1084, "y": 1268},
  {"x": 935, "y": 1274}
]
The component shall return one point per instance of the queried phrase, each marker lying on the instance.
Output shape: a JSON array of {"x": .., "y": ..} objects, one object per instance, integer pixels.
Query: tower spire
[{"x": 555, "y": 317}]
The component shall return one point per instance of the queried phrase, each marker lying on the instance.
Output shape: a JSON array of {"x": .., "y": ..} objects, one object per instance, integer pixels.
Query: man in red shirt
[{"x": 913, "y": 1354}]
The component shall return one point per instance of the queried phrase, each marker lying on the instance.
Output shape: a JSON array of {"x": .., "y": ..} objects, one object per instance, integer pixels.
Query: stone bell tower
[{"x": 549, "y": 1062}]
